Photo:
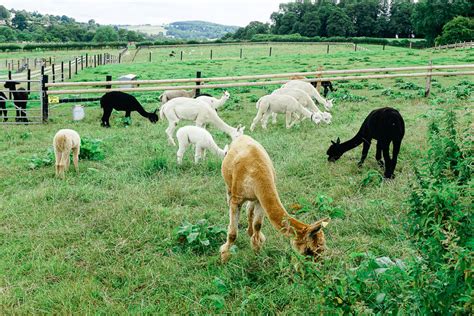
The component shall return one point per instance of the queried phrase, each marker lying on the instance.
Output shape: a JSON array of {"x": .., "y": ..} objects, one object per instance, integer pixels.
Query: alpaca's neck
[
  {"x": 220, "y": 124},
  {"x": 216, "y": 149},
  {"x": 307, "y": 113},
  {"x": 319, "y": 98},
  {"x": 142, "y": 111},
  {"x": 276, "y": 213},
  {"x": 351, "y": 143}
]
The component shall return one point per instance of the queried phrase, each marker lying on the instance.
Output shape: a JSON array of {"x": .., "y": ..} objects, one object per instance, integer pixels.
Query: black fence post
[
  {"x": 119, "y": 58},
  {"x": 355, "y": 47},
  {"x": 75, "y": 70},
  {"x": 383, "y": 47},
  {"x": 50, "y": 61},
  {"x": 87, "y": 60},
  {"x": 53, "y": 72},
  {"x": 149, "y": 57},
  {"x": 327, "y": 50},
  {"x": 69, "y": 70},
  {"x": 108, "y": 78},
  {"x": 198, "y": 83},
  {"x": 181, "y": 55},
  {"x": 28, "y": 77},
  {"x": 82, "y": 62},
  {"x": 95, "y": 61},
  {"x": 45, "y": 105},
  {"x": 211, "y": 54},
  {"x": 270, "y": 52},
  {"x": 241, "y": 53},
  {"x": 62, "y": 71}
]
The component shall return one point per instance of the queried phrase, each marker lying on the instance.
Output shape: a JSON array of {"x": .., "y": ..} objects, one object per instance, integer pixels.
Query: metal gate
[{"x": 21, "y": 102}]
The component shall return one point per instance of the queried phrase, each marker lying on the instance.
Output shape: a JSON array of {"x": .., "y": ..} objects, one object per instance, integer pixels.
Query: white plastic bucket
[{"x": 78, "y": 112}]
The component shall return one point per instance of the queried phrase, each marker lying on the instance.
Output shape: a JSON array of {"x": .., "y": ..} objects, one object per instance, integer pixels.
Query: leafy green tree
[
  {"x": 4, "y": 13},
  {"x": 429, "y": 16},
  {"x": 339, "y": 24},
  {"x": 364, "y": 15},
  {"x": 20, "y": 21},
  {"x": 8, "y": 34},
  {"x": 105, "y": 34},
  {"x": 401, "y": 17},
  {"x": 311, "y": 24},
  {"x": 458, "y": 29}
]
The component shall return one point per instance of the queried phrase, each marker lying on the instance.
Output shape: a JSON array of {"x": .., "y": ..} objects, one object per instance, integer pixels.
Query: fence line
[
  {"x": 268, "y": 76},
  {"x": 456, "y": 45}
]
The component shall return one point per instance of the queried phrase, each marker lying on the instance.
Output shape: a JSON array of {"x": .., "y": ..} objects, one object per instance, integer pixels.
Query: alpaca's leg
[
  {"x": 234, "y": 210},
  {"x": 68, "y": 159},
  {"x": 365, "y": 150},
  {"x": 181, "y": 151},
  {"x": 257, "y": 119},
  {"x": 265, "y": 118},
  {"x": 378, "y": 155},
  {"x": 106, "y": 117},
  {"x": 258, "y": 238},
  {"x": 250, "y": 210},
  {"x": 75, "y": 157},
  {"x": 274, "y": 118},
  {"x": 388, "y": 161},
  {"x": 326, "y": 90},
  {"x": 57, "y": 165},
  {"x": 198, "y": 153},
  {"x": 170, "y": 131},
  {"x": 396, "y": 149},
  {"x": 288, "y": 122}
]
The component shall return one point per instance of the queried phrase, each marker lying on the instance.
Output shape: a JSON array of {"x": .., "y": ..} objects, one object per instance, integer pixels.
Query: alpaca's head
[
  {"x": 316, "y": 117},
  {"x": 226, "y": 95},
  {"x": 153, "y": 117},
  {"x": 326, "y": 117},
  {"x": 335, "y": 151},
  {"x": 311, "y": 241},
  {"x": 329, "y": 104},
  {"x": 11, "y": 84},
  {"x": 239, "y": 131}
]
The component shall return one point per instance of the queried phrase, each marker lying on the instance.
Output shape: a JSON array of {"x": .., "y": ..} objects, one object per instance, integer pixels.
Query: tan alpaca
[
  {"x": 64, "y": 141},
  {"x": 249, "y": 176}
]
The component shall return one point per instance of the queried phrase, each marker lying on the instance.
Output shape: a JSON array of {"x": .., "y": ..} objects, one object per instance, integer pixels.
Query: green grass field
[{"x": 105, "y": 241}]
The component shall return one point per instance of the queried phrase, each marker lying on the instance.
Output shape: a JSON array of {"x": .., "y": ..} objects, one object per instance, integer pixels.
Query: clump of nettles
[{"x": 200, "y": 236}]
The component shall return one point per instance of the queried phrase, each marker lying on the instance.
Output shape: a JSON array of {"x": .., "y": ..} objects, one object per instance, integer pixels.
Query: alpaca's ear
[
  {"x": 316, "y": 227},
  {"x": 333, "y": 142},
  {"x": 156, "y": 111},
  {"x": 338, "y": 141}
]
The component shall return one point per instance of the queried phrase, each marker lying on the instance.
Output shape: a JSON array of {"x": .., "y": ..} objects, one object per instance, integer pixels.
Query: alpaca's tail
[{"x": 61, "y": 143}]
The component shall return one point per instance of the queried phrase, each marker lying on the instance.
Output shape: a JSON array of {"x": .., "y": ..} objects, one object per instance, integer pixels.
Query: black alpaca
[
  {"x": 385, "y": 125},
  {"x": 327, "y": 85},
  {"x": 3, "y": 106},
  {"x": 121, "y": 101},
  {"x": 20, "y": 97}
]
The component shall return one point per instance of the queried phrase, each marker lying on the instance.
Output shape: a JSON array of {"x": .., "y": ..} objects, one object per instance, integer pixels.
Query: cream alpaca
[
  {"x": 305, "y": 100},
  {"x": 65, "y": 141},
  {"x": 214, "y": 102},
  {"x": 249, "y": 176},
  {"x": 197, "y": 111},
  {"x": 172, "y": 94},
  {"x": 309, "y": 89},
  {"x": 276, "y": 103},
  {"x": 201, "y": 139}
]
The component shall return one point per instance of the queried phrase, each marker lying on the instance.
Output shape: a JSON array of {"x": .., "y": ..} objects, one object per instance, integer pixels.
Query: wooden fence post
[
  {"x": 270, "y": 52},
  {"x": 211, "y": 54},
  {"x": 181, "y": 58},
  {"x": 75, "y": 70},
  {"x": 53, "y": 73},
  {"x": 69, "y": 69},
  {"x": 241, "y": 53},
  {"x": 383, "y": 47},
  {"x": 198, "y": 83},
  {"x": 87, "y": 60},
  {"x": 327, "y": 50},
  {"x": 44, "y": 104},
  {"x": 119, "y": 58},
  {"x": 95, "y": 61},
  {"x": 428, "y": 81},
  {"x": 82, "y": 62},
  {"x": 28, "y": 77},
  {"x": 62, "y": 71},
  {"x": 355, "y": 47},
  {"x": 149, "y": 58},
  {"x": 318, "y": 84},
  {"x": 410, "y": 44}
]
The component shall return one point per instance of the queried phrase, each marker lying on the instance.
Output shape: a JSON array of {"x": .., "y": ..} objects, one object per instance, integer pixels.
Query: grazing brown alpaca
[{"x": 249, "y": 176}]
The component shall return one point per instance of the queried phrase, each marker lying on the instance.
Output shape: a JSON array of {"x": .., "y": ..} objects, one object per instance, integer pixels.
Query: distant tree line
[
  {"x": 23, "y": 26},
  {"x": 366, "y": 18}
]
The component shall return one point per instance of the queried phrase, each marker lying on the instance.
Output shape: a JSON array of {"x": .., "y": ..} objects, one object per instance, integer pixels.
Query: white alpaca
[
  {"x": 214, "y": 102},
  {"x": 305, "y": 100},
  {"x": 65, "y": 141},
  {"x": 172, "y": 94},
  {"x": 276, "y": 103},
  {"x": 309, "y": 89},
  {"x": 197, "y": 111},
  {"x": 201, "y": 138}
]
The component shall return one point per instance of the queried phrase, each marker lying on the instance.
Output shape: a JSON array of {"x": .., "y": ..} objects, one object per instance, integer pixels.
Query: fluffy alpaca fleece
[
  {"x": 201, "y": 139},
  {"x": 214, "y": 102},
  {"x": 305, "y": 100},
  {"x": 386, "y": 125},
  {"x": 122, "y": 101},
  {"x": 65, "y": 141},
  {"x": 194, "y": 110},
  {"x": 20, "y": 97},
  {"x": 280, "y": 103},
  {"x": 172, "y": 94},
  {"x": 309, "y": 89},
  {"x": 3, "y": 106},
  {"x": 249, "y": 176}
]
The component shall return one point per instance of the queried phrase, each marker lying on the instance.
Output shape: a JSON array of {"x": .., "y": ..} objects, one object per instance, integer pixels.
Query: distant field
[
  {"x": 105, "y": 241},
  {"x": 147, "y": 29}
]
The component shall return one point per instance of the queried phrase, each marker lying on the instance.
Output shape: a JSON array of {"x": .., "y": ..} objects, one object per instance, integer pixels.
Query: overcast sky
[{"x": 230, "y": 12}]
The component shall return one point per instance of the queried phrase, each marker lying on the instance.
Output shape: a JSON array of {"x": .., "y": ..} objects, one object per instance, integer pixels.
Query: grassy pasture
[{"x": 106, "y": 241}]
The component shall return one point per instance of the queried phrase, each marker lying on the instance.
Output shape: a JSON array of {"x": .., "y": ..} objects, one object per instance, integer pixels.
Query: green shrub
[
  {"x": 91, "y": 149},
  {"x": 344, "y": 95},
  {"x": 441, "y": 220},
  {"x": 200, "y": 236}
]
